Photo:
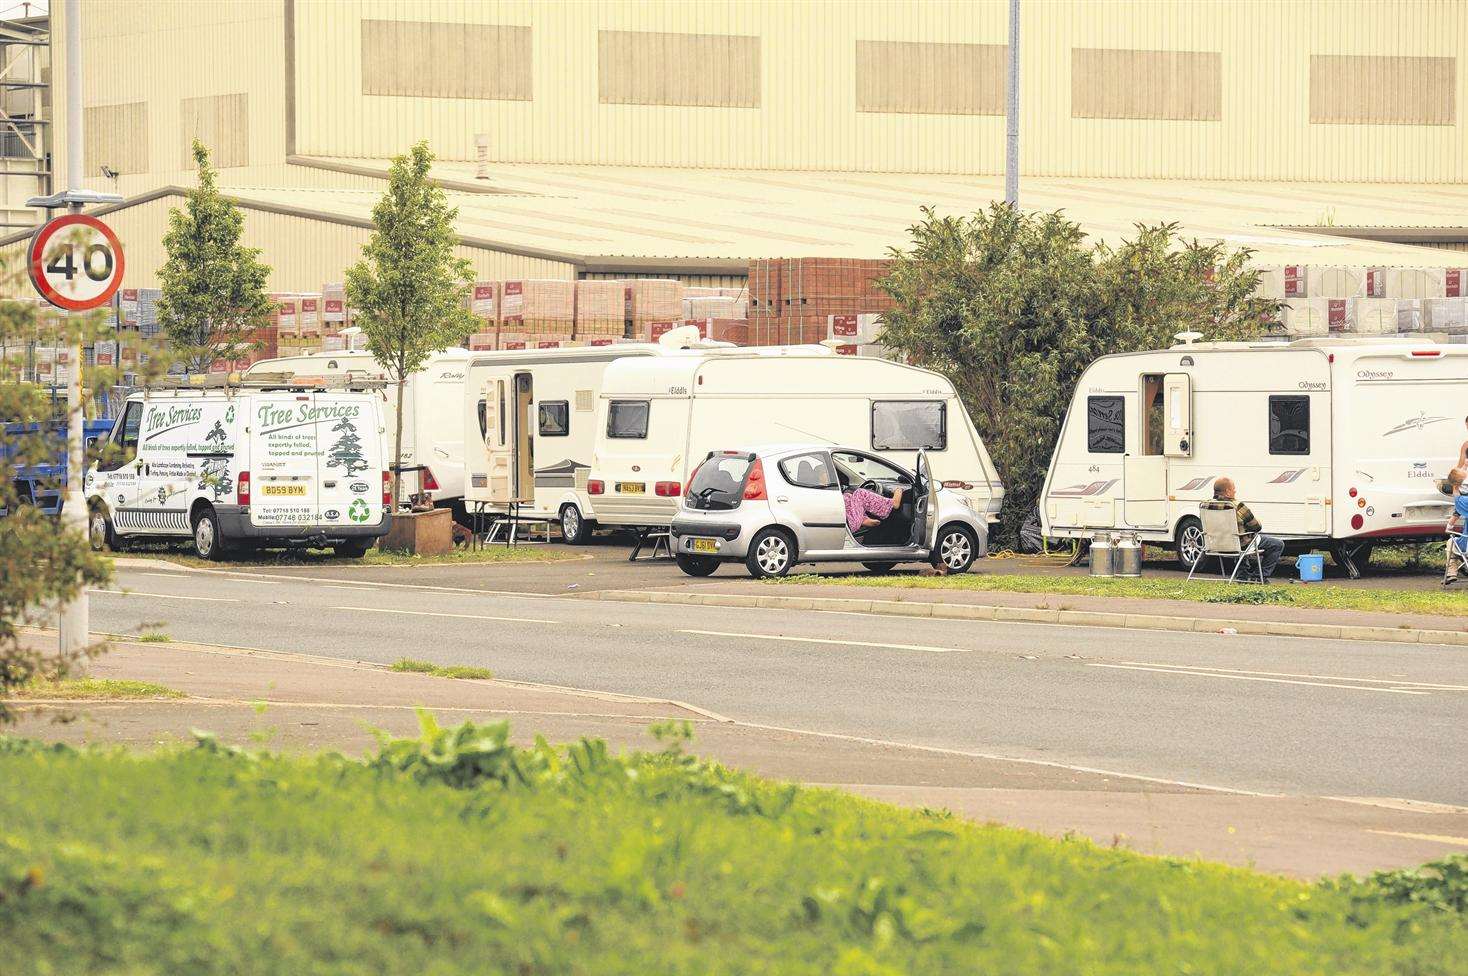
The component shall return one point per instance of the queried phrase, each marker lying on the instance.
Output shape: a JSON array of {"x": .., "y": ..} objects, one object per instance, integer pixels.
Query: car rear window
[{"x": 719, "y": 483}]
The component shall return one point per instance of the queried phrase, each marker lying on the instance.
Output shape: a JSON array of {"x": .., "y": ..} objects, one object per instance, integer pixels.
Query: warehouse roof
[{"x": 604, "y": 218}]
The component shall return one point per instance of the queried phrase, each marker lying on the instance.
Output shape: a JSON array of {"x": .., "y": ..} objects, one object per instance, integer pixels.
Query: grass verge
[
  {"x": 109, "y": 689},
  {"x": 459, "y": 853},
  {"x": 415, "y": 666},
  {"x": 1322, "y": 596}
]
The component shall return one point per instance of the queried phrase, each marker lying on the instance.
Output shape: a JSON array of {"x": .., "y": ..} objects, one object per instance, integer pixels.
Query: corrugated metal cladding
[
  {"x": 213, "y": 68},
  {"x": 304, "y": 253},
  {"x": 1287, "y": 90},
  {"x": 408, "y": 57},
  {"x": 695, "y": 280},
  {"x": 1442, "y": 245},
  {"x": 116, "y": 136}
]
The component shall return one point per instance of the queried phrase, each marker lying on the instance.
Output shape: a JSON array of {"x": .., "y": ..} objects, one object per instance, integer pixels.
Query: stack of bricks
[
  {"x": 601, "y": 309},
  {"x": 791, "y": 300},
  {"x": 484, "y": 305},
  {"x": 653, "y": 305},
  {"x": 537, "y": 309},
  {"x": 1319, "y": 300}
]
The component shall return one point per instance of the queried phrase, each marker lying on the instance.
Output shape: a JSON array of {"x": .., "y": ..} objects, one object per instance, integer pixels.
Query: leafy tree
[
  {"x": 213, "y": 286},
  {"x": 1013, "y": 306},
  {"x": 409, "y": 289}
]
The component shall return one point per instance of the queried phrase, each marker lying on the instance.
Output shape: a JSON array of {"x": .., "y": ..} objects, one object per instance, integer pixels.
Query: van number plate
[
  {"x": 292, "y": 491},
  {"x": 631, "y": 488}
]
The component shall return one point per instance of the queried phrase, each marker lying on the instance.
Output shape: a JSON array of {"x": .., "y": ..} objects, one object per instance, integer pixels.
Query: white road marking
[
  {"x": 460, "y": 616},
  {"x": 166, "y": 575},
  {"x": 1250, "y": 677},
  {"x": 166, "y": 596},
  {"x": 1435, "y": 838},
  {"x": 339, "y": 586},
  {"x": 1398, "y": 683},
  {"x": 825, "y": 640}
]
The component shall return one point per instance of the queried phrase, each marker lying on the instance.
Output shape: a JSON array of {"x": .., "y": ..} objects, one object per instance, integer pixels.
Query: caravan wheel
[
  {"x": 1189, "y": 541},
  {"x": 575, "y": 530}
]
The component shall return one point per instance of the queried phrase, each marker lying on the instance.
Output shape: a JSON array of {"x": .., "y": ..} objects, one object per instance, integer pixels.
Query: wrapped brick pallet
[
  {"x": 601, "y": 308},
  {"x": 538, "y": 306},
  {"x": 652, "y": 300}
]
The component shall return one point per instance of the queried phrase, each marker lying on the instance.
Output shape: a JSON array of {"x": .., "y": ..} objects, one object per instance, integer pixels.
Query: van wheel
[
  {"x": 351, "y": 550},
  {"x": 956, "y": 549},
  {"x": 575, "y": 530},
  {"x": 99, "y": 531},
  {"x": 208, "y": 541},
  {"x": 1189, "y": 541},
  {"x": 696, "y": 565},
  {"x": 771, "y": 554},
  {"x": 881, "y": 569}
]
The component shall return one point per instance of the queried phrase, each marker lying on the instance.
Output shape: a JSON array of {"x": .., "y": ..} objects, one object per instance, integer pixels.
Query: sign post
[{"x": 70, "y": 268}]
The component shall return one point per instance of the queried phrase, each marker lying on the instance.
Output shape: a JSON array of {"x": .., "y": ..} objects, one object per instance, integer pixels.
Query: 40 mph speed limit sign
[{"x": 76, "y": 262}]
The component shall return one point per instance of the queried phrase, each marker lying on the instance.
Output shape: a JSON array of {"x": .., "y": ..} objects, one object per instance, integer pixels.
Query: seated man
[
  {"x": 1270, "y": 548},
  {"x": 1458, "y": 487},
  {"x": 866, "y": 508}
]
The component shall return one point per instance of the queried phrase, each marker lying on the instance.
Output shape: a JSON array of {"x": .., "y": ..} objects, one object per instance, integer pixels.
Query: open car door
[{"x": 924, "y": 505}]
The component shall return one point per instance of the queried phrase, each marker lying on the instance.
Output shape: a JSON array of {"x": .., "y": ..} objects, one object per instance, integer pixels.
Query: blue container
[{"x": 1311, "y": 566}]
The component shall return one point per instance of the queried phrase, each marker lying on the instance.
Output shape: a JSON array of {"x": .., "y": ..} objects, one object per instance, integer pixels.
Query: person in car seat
[{"x": 866, "y": 508}]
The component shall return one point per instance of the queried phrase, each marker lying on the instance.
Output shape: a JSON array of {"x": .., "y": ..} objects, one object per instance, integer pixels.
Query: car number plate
[
  {"x": 294, "y": 491},
  {"x": 703, "y": 545},
  {"x": 631, "y": 488}
]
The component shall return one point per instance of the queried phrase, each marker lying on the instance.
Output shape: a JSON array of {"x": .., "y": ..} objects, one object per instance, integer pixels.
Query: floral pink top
[{"x": 863, "y": 502}]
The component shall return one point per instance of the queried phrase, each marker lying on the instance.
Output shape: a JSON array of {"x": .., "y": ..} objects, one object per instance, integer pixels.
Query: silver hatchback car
[{"x": 774, "y": 507}]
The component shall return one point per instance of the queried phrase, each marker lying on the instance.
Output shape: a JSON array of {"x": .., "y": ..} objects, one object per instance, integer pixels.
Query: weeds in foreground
[{"x": 415, "y": 666}]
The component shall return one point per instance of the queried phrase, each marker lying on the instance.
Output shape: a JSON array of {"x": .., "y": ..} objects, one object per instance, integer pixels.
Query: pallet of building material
[
  {"x": 1283, "y": 281},
  {"x": 539, "y": 306},
  {"x": 334, "y": 307},
  {"x": 714, "y": 307},
  {"x": 1305, "y": 317},
  {"x": 1416, "y": 283},
  {"x": 480, "y": 341},
  {"x": 1372, "y": 316},
  {"x": 1344, "y": 281},
  {"x": 764, "y": 277},
  {"x": 127, "y": 308},
  {"x": 309, "y": 310},
  {"x": 1448, "y": 316},
  {"x": 511, "y": 340},
  {"x": 863, "y": 327},
  {"x": 734, "y": 331},
  {"x": 484, "y": 301},
  {"x": 1455, "y": 282},
  {"x": 1411, "y": 317},
  {"x": 286, "y": 317},
  {"x": 601, "y": 308},
  {"x": 655, "y": 300}
]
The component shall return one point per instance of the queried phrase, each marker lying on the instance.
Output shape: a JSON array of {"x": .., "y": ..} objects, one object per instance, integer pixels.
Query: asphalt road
[{"x": 1275, "y": 715}]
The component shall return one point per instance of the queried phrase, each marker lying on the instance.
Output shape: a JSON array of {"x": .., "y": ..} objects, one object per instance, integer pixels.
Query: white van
[
  {"x": 247, "y": 463},
  {"x": 529, "y": 421},
  {"x": 1335, "y": 442},
  {"x": 433, "y": 436},
  {"x": 660, "y": 416}
]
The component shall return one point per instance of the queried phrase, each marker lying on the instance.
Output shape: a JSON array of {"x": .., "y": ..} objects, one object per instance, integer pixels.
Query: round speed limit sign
[{"x": 76, "y": 262}]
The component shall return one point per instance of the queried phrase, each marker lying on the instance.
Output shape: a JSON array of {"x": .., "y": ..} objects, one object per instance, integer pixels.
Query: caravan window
[
  {"x": 628, "y": 419},
  {"x": 909, "y": 425},
  {"x": 555, "y": 418},
  {"x": 1105, "y": 424},
  {"x": 1289, "y": 425},
  {"x": 483, "y": 419}
]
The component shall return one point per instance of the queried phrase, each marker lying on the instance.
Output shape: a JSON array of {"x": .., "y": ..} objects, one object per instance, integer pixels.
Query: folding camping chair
[
  {"x": 1221, "y": 539},
  {"x": 1457, "y": 552}
]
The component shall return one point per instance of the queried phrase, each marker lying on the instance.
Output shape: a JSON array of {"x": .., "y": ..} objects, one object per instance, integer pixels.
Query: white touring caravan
[
  {"x": 660, "y": 416},
  {"x": 433, "y": 398},
  {"x": 529, "y": 423},
  {"x": 1337, "y": 443},
  {"x": 253, "y": 462}
]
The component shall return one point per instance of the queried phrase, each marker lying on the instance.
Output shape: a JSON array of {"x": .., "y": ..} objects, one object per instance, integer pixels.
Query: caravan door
[
  {"x": 1178, "y": 433},
  {"x": 1165, "y": 418},
  {"x": 496, "y": 423}
]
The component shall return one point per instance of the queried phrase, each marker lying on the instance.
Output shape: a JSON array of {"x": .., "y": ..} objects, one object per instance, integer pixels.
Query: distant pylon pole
[{"x": 1011, "y": 112}]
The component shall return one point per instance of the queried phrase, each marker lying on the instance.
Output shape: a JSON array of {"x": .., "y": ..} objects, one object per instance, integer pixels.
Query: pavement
[
  {"x": 294, "y": 702},
  {"x": 1301, "y": 756}
]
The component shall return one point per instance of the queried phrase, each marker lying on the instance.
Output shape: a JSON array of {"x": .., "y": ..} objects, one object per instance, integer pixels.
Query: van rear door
[
  {"x": 283, "y": 459},
  {"x": 350, "y": 459}
]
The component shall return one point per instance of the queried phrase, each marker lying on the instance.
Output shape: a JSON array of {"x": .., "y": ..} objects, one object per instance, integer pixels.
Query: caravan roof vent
[{"x": 1187, "y": 338}]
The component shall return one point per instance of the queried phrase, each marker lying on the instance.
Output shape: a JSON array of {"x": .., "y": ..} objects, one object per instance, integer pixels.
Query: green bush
[{"x": 459, "y": 853}]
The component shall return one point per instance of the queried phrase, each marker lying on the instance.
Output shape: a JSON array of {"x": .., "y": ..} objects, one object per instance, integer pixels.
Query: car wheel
[
  {"x": 208, "y": 542},
  {"x": 956, "y": 549},
  {"x": 879, "y": 568},
  {"x": 771, "y": 554},
  {"x": 575, "y": 529},
  {"x": 1189, "y": 542},
  {"x": 99, "y": 531},
  {"x": 351, "y": 550},
  {"x": 696, "y": 565}
]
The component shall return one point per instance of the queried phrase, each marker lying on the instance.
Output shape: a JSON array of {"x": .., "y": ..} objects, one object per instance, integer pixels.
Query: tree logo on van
[
  {"x": 228, "y": 416},
  {"x": 347, "y": 451},
  {"x": 357, "y": 511},
  {"x": 214, "y": 471}
]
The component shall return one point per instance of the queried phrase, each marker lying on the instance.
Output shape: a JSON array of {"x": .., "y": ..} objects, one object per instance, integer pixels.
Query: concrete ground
[{"x": 297, "y": 702}]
